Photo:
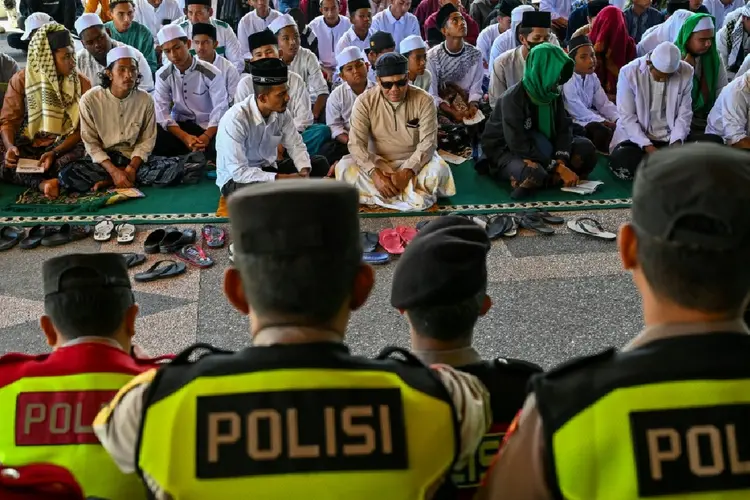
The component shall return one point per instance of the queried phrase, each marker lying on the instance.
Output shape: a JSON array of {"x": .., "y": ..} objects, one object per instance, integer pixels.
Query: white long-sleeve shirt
[
  {"x": 339, "y": 108},
  {"x": 717, "y": 9},
  {"x": 252, "y": 23},
  {"x": 229, "y": 46},
  {"x": 471, "y": 82},
  {"x": 246, "y": 142},
  {"x": 399, "y": 29},
  {"x": 586, "y": 101},
  {"x": 199, "y": 95},
  {"x": 89, "y": 66},
  {"x": 557, "y": 8},
  {"x": 153, "y": 19},
  {"x": 484, "y": 43},
  {"x": 127, "y": 126},
  {"x": 306, "y": 65},
  {"x": 350, "y": 38},
  {"x": 328, "y": 38},
  {"x": 730, "y": 116},
  {"x": 299, "y": 99}
]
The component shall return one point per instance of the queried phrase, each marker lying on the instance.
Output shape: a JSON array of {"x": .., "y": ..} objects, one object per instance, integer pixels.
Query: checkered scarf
[{"x": 51, "y": 100}]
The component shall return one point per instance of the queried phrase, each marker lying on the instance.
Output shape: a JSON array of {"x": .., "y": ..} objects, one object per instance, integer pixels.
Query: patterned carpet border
[{"x": 583, "y": 204}]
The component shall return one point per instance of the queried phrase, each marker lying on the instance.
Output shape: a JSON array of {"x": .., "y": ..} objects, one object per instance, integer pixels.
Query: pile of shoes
[{"x": 47, "y": 236}]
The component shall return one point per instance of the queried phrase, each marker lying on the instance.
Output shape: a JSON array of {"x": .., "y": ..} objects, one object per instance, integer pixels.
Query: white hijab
[{"x": 665, "y": 32}]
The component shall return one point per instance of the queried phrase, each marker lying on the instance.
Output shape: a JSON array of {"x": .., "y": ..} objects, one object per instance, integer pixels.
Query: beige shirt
[
  {"x": 520, "y": 471},
  {"x": 507, "y": 70},
  {"x": 127, "y": 126},
  {"x": 387, "y": 136}
]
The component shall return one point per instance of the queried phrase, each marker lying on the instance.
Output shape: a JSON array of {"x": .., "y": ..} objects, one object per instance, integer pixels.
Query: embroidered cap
[{"x": 170, "y": 32}]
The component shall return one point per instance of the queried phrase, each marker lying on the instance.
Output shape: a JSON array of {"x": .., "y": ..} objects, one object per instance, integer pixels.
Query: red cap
[{"x": 38, "y": 482}]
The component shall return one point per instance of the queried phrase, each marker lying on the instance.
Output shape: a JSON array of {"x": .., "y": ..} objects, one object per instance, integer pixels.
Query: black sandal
[
  {"x": 534, "y": 223},
  {"x": 544, "y": 214},
  {"x": 159, "y": 271}
]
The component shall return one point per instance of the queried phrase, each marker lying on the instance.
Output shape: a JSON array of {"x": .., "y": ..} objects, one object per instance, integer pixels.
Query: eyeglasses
[{"x": 398, "y": 83}]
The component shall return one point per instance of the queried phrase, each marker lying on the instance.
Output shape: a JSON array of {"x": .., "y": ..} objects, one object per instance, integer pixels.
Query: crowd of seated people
[
  {"x": 297, "y": 415},
  {"x": 627, "y": 82}
]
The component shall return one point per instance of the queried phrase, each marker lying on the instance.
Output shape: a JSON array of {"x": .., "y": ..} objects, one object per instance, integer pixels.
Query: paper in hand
[{"x": 27, "y": 166}]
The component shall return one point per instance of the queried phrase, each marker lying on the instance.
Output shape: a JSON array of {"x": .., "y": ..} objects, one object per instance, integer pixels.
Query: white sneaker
[{"x": 231, "y": 252}]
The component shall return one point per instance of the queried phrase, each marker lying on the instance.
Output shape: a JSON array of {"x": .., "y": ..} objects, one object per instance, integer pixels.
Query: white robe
[
  {"x": 634, "y": 103},
  {"x": 586, "y": 101},
  {"x": 339, "y": 108},
  {"x": 720, "y": 11},
  {"x": 328, "y": 38},
  {"x": 664, "y": 32},
  {"x": 507, "y": 70},
  {"x": 723, "y": 37},
  {"x": 484, "y": 43},
  {"x": 729, "y": 117}
]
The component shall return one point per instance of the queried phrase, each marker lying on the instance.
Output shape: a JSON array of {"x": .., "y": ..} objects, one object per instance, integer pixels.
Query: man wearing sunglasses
[{"x": 393, "y": 158}]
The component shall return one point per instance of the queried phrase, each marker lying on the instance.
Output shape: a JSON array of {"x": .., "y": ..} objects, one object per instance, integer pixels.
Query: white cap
[
  {"x": 666, "y": 57},
  {"x": 516, "y": 15},
  {"x": 170, "y": 32},
  {"x": 34, "y": 22},
  {"x": 410, "y": 43},
  {"x": 86, "y": 21},
  {"x": 706, "y": 23},
  {"x": 745, "y": 11},
  {"x": 121, "y": 52},
  {"x": 282, "y": 22},
  {"x": 348, "y": 55}
]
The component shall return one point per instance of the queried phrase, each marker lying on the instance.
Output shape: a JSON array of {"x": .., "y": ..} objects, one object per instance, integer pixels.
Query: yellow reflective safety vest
[
  {"x": 296, "y": 421},
  {"x": 48, "y": 411},
  {"x": 668, "y": 420}
]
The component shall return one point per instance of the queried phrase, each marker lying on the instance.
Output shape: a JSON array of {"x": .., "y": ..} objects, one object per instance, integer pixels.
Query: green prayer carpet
[{"x": 198, "y": 202}]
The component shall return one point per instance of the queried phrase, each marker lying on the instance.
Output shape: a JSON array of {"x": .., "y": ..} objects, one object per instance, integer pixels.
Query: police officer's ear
[
  {"x": 486, "y": 305},
  {"x": 234, "y": 291},
  {"x": 627, "y": 243},
  {"x": 363, "y": 284},
  {"x": 130, "y": 316},
  {"x": 45, "y": 323}
]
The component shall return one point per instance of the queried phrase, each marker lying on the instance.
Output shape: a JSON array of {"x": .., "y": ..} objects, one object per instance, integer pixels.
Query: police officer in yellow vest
[
  {"x": 668, "y": 416},
  {"x": 296, "y": 415}
]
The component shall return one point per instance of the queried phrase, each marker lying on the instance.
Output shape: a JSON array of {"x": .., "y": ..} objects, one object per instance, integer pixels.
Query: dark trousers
[
  {"x": 82, "y": 176},
  {"x": 318, "y": 168},
  {"x": 11, "y": 176},
  {"x": 167, "y": 144},
  {"x": 598, "y": 133},
  {"x": 525, "y": 178},
  {"x": 333, "y": 151}
]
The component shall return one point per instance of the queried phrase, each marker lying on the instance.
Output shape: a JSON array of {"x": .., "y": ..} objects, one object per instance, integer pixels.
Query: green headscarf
[
  {"x": 547, "y": 67},
  {"x": 709, "y": 64}
]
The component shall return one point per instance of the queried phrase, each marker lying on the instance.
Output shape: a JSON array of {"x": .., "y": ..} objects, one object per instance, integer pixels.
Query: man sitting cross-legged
[
  {"x": 204, "y": 42},
  {"x": 118, "y": 128},
  {"x": 96, "y": 45},
  {"x": 393, "y": 159},
  {"x": 252, "y": 130},
  {"x": 264, "y": 45},
  {"x": 301, "y": 61},
  {"x": 353, "y": 70},
  {"x": 528, "y": 138},
  {"x": 39, "y": 117},
  {"x": 190, "y": 98}
]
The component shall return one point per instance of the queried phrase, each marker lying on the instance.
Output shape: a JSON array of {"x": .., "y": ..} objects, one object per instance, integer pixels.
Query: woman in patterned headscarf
[{"x": 39, "y": 117}]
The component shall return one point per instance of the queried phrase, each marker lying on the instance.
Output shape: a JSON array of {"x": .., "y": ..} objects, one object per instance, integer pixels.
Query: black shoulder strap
[
  {"x": 183, "y": 358},
  {"x": 408, "y": 357}
]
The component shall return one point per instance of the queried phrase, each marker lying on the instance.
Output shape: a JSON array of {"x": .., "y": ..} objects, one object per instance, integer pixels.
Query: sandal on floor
[
  {"x": 134, "y": 259},
  {"x": 66, "y": 234},
  {"x": 151, "y": 245},
  {"x": 176, "y": 239},
  {"x": 103, "y": 230},
  {"x": 391, "y": 241},
  {"x": 369, "y": 241},
  {"x": 10, "y": 236},
  {"x": 194, "y": 256},
  {"x": 498, "y": 226},
  {"x": 376, "y": 258},
  {"x": 34, "y": 239},
  {"x": 421, "y": 224},
  {"x": 590, "y": 227},
  {"x": 544, "y": 214},
  {"x": 161, "y": 270},
  {"x": 534, "y": 223},
  {"x": 125, "y": 233},
  {"x": 214, "y": 236},
  {"x": 407, "y": 233}
]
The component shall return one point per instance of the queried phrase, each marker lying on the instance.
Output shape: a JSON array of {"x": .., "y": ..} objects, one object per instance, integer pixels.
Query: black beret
[
  {"x": 446, "y": 263},
  {"x": 595, "y": 6},
  {"x": 261, "y": 38},
  {"x": 444, "y": 14},
  {"x": 391, "y": 63},
  {"x": 534, "y": 19},
  {"x": 294, "y": 217},
  {"x": 204, "y": 29},
  {"x": 270, "y": 71},
  {"x": 107, "y": 270}
]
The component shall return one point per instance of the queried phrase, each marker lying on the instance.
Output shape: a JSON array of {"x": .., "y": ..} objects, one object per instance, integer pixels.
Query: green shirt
[{"x": 137, "y": 36}]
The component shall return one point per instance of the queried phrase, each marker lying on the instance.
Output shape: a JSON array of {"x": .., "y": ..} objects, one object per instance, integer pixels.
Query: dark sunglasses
[{"x": 398, "y": 83}]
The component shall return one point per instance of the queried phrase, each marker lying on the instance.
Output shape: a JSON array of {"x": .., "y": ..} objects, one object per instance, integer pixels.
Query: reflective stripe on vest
[
  {"x": 362, "y": 433},
  {"x": 52, "y": 423},
  {"x": 660, "y": 440}
]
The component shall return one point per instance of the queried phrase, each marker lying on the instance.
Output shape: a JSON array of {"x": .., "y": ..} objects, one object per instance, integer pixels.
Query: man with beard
[
  {"x": 250, "y": 134},
  {"x": 200, "y": 11},
  {"x": 697, "y": 44},
  {"x": 92, "y": 59}
]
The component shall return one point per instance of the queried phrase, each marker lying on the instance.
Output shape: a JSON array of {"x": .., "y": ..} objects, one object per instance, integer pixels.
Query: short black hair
[
  {"x": 107, "y": 81},
  {"x": 114, "y": 3},
  {"x": 83, "y": 312},
  {"x": 692, "y": 277},
  {"x": 447, "y": 322},
  {"x": 259, "y": 89},
  {"x": 520, "y": 30},
  {"x": 310, "y": 287}
]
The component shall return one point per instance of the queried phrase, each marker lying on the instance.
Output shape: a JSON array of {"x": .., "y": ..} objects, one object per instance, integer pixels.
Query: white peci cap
[
  {"x": 34, "y": 22},
  {"x": 121, "y": 52},
  {"x": 666, "y": 57},
  {"x": 282, "y": 22},
  {"x": 706, "y": 23},
  {"x": 410, "y": 43},
  {"x": 348, "y": 55},
  {"x": 86, "y": 21},
  {"x": 170, "y": 32}
]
